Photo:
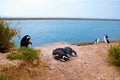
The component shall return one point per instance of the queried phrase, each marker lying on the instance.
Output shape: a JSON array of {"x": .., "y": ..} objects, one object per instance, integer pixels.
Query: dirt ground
[{"x": 92, "y": 63}]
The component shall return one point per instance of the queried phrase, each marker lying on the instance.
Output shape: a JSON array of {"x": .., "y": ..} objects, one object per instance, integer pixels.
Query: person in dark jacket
[{"x": 25, "y": 41}]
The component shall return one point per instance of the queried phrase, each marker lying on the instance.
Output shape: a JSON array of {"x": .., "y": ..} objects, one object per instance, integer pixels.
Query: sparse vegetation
[
  {"x": 15, "y": 55},
  {"x": 84, "y": 43},
  {"x": 29, "y": 62},
  {"x": 2, "y": 77},
  {"x": 24, "y": 53},
  {"x": 114, "y": 53},
  {"x": 6, "y": 35}
]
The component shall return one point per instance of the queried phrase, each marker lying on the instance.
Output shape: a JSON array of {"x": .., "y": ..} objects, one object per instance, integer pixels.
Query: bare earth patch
[{"x": 92, "y": 63}]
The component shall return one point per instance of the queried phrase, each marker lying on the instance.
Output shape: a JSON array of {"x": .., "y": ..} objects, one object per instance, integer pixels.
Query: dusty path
[{"x": 92, "y": 63}]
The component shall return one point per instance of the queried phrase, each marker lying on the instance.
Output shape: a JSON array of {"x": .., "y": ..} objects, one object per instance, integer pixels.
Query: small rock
[{"x": 98, "y": 78}]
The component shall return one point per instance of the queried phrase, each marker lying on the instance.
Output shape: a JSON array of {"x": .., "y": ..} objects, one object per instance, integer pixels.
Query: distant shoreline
[{"x": 100, "y": 19}]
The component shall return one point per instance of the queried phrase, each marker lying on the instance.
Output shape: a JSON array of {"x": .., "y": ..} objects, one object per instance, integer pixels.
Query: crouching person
[{"x": 25, "y": 41}]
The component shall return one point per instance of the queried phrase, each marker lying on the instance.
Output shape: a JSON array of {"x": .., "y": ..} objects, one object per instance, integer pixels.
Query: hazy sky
[{"x": 61, "y": 8}]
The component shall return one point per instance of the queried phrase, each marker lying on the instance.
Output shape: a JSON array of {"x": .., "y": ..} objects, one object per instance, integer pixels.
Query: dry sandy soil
[{"x": 92, "y": 63}]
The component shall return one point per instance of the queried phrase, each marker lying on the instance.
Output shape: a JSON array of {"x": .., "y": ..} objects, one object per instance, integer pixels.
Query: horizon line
[{"x": 30, "y": 18}]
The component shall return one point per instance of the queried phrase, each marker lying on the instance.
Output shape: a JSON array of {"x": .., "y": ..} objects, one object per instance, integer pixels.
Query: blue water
[{"x": 72, "y": 31}]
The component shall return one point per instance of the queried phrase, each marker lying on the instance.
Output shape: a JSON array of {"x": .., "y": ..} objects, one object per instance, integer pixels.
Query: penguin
[
  {"x": 64, "y": 54},
  {"x": 97, "y": 41},
  {"x": 59, "y": 54},
  {"x": 106, "y": 39},
  {"x": 70, "y": 52}
]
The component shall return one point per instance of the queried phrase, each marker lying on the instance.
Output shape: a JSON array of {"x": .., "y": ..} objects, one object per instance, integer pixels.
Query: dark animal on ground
[
  {"x": 59, "y": 54},
  {"x": 70, "y": 52},
  {"x": 64, "y": 54},
  {"x": 25, "y": 41}
]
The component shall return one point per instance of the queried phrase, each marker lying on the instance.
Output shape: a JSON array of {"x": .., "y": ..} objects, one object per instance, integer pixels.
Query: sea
[{"x": 71, "y": 31}]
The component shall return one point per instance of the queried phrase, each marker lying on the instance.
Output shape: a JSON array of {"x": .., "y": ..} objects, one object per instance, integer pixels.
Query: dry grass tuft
[{"x": 25, "y": 70}]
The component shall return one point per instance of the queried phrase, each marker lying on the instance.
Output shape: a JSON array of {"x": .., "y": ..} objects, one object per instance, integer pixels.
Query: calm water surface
[{"x": 49, "y": 31}]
